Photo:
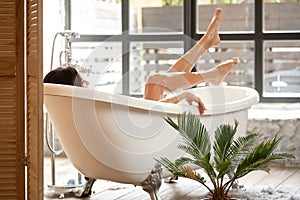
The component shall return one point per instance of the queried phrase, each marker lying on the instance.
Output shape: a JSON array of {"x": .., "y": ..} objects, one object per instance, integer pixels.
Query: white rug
[{"x": 256, "y": 193}]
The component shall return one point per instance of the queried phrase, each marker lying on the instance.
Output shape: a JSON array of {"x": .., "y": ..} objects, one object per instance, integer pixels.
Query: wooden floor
[{"x": 283, "y": 179}]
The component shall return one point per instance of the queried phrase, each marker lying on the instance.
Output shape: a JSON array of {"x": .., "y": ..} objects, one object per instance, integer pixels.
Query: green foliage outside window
[
  {"x": 180, "y": 2},
  {"x": 172, "y": 2},
  {"x": 241, "y": 1}
]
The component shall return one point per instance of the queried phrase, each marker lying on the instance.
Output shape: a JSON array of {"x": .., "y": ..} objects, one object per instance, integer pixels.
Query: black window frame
[{"x": 189, "y": 30}]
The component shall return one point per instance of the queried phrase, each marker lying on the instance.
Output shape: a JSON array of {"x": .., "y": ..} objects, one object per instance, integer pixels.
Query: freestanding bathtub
[{"x": 116, "y": 137}]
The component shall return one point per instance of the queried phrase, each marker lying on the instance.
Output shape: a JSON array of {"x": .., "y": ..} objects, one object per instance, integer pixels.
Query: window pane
[
  {"x": 282, "y": 15},
  {"x": 100, "y": 64},
  {"x": 236, "y": 16},
  {"x": 243, "y": 74},
  {"x": 282, "y": 69},
  {"x": 96, "y": 17},
  {"x": 155, "y": 16},
  {"x": 151, "y": 57}
]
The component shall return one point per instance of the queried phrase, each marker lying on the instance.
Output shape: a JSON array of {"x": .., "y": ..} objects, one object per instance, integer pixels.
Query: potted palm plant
[{"x": 227, "y": 154}]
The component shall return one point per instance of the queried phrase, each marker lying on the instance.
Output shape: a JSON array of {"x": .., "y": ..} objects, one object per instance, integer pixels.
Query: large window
[{"x": 123, "y": 41}]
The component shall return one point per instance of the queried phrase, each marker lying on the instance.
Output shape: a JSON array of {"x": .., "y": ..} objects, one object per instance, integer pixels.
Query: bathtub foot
[
  {"x": 87, "y": 190},
  {"x": 153, "y": 182}
]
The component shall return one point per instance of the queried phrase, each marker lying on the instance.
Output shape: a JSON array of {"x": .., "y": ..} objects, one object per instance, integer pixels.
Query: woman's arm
[
  {"x": 156, "y": 85},
  {"x": 189, "y": 97}
]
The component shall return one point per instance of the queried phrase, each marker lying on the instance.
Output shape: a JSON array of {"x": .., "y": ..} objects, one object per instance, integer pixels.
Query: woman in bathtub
[{"x": 178, "y": 76}]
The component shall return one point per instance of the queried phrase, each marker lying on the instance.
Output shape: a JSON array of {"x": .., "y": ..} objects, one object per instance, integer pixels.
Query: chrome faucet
[{"x": 68, "y": 35}]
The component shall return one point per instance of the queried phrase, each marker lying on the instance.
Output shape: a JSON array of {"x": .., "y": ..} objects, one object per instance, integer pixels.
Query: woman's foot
[
  {"x": 211, "y": 37},
  {"x": 218, "y": 74}
]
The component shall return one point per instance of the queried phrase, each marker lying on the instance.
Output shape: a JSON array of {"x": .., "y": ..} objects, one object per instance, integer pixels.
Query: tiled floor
[{"x": 281, "y": 179}]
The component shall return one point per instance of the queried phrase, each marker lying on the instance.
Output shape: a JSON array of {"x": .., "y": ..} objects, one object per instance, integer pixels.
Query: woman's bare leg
[
  {"x": 209, "y": 39},
  {"x": 183, "y": 80},
  {"x": 216, "y": 75}
]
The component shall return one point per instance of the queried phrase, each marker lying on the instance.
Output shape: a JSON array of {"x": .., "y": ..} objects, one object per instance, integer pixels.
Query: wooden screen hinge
[{"x": 24, "y": 160}]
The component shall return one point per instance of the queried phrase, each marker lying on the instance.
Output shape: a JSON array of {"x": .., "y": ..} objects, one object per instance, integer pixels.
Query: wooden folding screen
[
  {"x": 14, "y": 105},
  {"x": 34, "y": 77},
  {"x": 12, "y": 124}
]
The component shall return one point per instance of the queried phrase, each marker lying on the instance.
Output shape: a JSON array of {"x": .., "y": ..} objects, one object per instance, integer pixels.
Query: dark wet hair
[{"x": 64, "y": 75}]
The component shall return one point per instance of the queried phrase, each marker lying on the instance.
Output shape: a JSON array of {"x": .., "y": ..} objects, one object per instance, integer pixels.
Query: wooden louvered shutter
[
  {"x": 12, "y": 122},
  {"x": 34, "y": 77}
]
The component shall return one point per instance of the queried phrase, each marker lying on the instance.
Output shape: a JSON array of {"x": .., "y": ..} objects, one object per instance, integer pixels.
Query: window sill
[{"x": 275, "y": 111}]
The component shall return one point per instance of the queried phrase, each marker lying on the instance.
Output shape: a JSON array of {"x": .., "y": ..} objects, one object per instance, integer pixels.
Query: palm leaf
[
  {"x": 195, "y": 135},
  {"x": 241, "y": 147},
  {"x": 223, "y": 140},
  {"x": 191, "y": 150},
  {"x": 260, "y": 156},
  {"x": 182, "y": 161},
  {"x": 171, "y": 167},
  {"x": 205, "y": 164},
  {"x": 178, "y": 168},
  {"x": 171, "y": 122}
]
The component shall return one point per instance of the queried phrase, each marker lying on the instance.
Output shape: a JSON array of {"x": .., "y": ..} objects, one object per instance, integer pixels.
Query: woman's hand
[{"x": 190, "y": 98}]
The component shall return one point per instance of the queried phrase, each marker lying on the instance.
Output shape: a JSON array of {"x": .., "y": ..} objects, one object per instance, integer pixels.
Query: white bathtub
[{"x": 116, "y": 137}]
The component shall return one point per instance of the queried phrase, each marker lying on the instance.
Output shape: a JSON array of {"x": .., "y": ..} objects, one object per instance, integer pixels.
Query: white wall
[{"x": 53, "y": 22}]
